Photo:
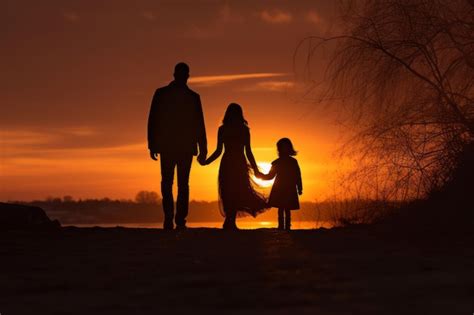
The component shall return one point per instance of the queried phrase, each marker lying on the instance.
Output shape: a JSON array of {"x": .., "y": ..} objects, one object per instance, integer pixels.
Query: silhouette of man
[{"x": 175, "y": 130}]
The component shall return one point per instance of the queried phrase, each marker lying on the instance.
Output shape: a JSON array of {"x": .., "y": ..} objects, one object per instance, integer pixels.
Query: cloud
[
  {"x": 199, "y": 32},
  {"x": 148, "y": 15},
  {"x": 13, "y": 138},
  {"x": 83, "y": 131},
  {"x": 51, "y": 138},
  {"x": 70, "y": 16},
  {"x": 217, "y": 26},
  {"x": 218, "y": 79},
  {"x": 313, "y": 17},
  {"x": 276, "y": 16},
  {"x": 227, "y": 15},
  {"x": 273, "y": 86}
]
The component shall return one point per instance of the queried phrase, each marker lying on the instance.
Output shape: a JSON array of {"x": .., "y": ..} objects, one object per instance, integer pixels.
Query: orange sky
[{"x": 77, "y": 79}]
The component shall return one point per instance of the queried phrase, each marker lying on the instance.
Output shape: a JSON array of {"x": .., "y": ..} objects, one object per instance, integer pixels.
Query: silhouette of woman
[{"x": 237, "y": 195}]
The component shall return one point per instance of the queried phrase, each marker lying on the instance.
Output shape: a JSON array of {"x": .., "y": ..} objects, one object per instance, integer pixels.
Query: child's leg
[
  {"x": 287, "y": 219},
  {"x": 226, "y": 220},
  {"x": 281, "y": 219},
  {"x": 233, "y": 218}
]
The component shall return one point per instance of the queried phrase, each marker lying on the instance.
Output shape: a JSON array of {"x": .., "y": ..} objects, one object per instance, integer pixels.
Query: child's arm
[
  {"x": 220, "y": 145},
  {"x": 299, "y": 182},
  {"x": 270, "y": 174}
]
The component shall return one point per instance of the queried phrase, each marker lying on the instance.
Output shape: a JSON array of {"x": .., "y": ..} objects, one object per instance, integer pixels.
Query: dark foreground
[{"x": 139, "y": 271}]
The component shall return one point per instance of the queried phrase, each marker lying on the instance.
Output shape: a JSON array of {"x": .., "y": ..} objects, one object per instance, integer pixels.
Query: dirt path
[{"x": 129, "y": 271}]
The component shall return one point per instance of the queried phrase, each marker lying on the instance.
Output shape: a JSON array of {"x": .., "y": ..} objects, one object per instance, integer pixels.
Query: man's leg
[
  {"x": 281, "y": 219},
  {"x": 168, "y": 164},
  {"x": 287, "y": 219},
  {"x": 184, "y": 168}
]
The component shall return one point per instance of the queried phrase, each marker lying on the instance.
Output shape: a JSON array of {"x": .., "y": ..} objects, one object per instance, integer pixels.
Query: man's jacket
[{"x": 176, "y": 121}]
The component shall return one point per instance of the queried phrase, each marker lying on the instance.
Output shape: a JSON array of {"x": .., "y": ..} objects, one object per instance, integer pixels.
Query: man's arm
[
  {"x": 153, "y": 122},
  {"x": 202, "y": 139}
]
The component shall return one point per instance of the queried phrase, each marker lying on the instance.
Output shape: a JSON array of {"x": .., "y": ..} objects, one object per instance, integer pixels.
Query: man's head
[{"x": 181, "y": 72}]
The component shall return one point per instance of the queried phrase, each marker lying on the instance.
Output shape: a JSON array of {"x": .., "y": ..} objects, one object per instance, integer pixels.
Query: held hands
[
  {"x": 202, "y": 158},
  {"x": 204, "y": 162},
  {"x": 258, "y": 174}
]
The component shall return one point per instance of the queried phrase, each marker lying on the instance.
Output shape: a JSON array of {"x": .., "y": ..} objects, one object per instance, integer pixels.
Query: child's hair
[{"x": 285, "y": 147}]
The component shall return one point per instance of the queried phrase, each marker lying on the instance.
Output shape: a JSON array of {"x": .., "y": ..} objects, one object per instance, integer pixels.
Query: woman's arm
[
  {"x": 218, "y": 152},
  {"x": 249, "y": 154}
]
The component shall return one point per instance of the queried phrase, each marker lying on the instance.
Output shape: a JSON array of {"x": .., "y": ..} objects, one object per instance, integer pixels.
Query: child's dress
[{"x": 284, "y": 192}]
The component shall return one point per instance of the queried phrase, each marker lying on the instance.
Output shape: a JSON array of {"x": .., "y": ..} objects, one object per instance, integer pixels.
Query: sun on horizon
[{"x": 264, "y": 168}]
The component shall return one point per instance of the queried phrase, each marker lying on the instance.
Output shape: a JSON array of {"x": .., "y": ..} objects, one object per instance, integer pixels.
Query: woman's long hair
[{"x": 234, "y": 115}]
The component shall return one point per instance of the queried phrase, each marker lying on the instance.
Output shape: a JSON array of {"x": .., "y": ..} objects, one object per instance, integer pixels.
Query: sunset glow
[
  {"x": 75, "y": 122},
  {"x": 264, "y": 168}
]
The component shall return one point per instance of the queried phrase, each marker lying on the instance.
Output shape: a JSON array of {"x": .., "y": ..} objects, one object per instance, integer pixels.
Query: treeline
[
  {"x": 105, "y": 210},
  {"x": 102, "y": 211}
]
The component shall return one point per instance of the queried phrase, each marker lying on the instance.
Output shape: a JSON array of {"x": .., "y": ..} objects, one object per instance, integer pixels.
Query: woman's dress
[{"x": 235, "y": 186}]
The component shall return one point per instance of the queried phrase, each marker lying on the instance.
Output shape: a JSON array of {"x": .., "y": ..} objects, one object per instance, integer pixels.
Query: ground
[{"x": 340, "y": 271}]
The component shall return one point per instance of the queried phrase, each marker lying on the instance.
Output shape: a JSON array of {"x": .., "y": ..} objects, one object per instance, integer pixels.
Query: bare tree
[{"x": 404, "y": 72}]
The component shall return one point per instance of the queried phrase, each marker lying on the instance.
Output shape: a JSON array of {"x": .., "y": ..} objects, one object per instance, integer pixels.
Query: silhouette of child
[{"x": 288, "y": 184}]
